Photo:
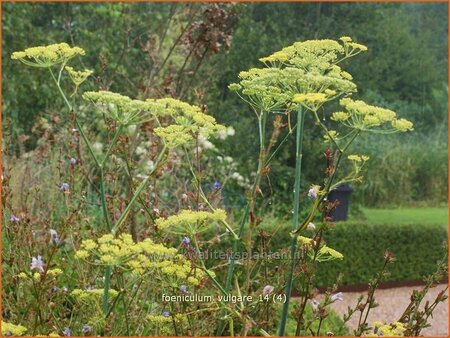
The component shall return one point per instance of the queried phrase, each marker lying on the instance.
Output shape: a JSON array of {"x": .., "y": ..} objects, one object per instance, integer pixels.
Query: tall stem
[
  {"x": 225, "y": 293},
  {"x": 106, "y": 289},
  {"x": 113, "y": 143},
  {"x": 142, "y": 186},
  {"x": 248, "y": 208},
  {"x": 69, "y": 105},
  {"x": 107, "y": 275},
  {"x": 327, "y": 188},
  {"x": 60, "y": 89},
  {"x": 103, "y": 197},
  {"x": 298, "y": 171}
]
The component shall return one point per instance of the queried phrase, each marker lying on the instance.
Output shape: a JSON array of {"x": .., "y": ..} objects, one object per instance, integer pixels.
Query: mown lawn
[{"x": 406, "y": 216}]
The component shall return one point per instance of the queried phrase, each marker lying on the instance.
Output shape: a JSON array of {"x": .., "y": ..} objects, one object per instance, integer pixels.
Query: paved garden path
[{"x": 392, "y": 304}]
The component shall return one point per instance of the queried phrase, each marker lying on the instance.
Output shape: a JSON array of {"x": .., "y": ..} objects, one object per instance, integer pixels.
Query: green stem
[
  {"x": 224, "y": 292},
  {"x": 326, "y": 130},
  {"x": 298, "y": 170},
  {"x": 102, "y": 178},
  {"x": 106, "y": 289},
  {"x": 69, "y": 105},
  {"x": 122, "y": 218},
  {"x": 369, "y": 301},
  {"x": 102, "y": 183},
  {"x": 275, "y": 152},
  {"x": 107, "y": 275},
  {"x": 113, "y": 142},
  {"x": 86, "y": 141},
  {"x": 262, "y": 133},
  {"x": 60, "y": 89},
  {"x": 327, "y": 188},
  {"x": 199, "y": 254},
  {"x": 309, "y": 279},
  {"x": 103, "y": 197},
  {"x": 203, "y": 196},
  {"x": 125, "y": 307},
  {"x": 320, "y": 324},
  {"x": 139, "y": 190},
  {"x": 105, "y": 215}
]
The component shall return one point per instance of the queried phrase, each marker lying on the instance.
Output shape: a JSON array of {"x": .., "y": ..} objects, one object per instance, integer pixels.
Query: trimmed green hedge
[{"x": 416, "y": 249}]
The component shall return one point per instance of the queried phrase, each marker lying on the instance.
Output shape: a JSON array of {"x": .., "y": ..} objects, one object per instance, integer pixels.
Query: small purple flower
[
  {"x": 64, "y": 187},
  {"x": 54, "y": 289},
  {"x": 185, "y": 240},
  {"x": 337, "y": 296},
  {"x": 312, "y": 193},
  {"x": 55, "y": 237},
  {"x": 183, "y": 289},
  {"x": 166, "y": 314},
  {"x": 86, "y": 329},
  {"x": 90, "y": 287},
  {"x": 73, "y": 161},
  {"x": 217, "y": 185},
  {"x": 66, "y": 332},
  {"x": 14, "y": 219},
  {"x": 37, "y": 263}
]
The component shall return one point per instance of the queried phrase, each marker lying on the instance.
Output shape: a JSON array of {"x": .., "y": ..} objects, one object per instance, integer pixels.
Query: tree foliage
[{"x": 194, "y": 50}]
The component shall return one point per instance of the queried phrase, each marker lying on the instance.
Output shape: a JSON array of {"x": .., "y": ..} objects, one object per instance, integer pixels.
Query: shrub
[
  {"x": 414, "y": 169},
  {"x": 415, "y": 249}
]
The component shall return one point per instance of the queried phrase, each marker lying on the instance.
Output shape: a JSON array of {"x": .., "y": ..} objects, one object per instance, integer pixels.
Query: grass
[{"x": 406, "y": 216}]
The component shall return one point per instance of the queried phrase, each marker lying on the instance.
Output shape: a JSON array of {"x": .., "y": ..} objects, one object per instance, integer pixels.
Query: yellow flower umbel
[
  {"x": 78, "y": 76},
  {"x": 305, "y": 73},
  {"x": 54, "y": 272},
  {"x": 352, "y": 48},
  {"x": 310, "y": 55},
  {"x": 47, "y": 56},
  {"x": 332, "y": 134},
  {"x": 191, "y": 222},
  {"x": 362, "y": 116},
  {"x": 396, "y": 329},
  {"x": 158, "y": 320},
  {"x": 305, "y": 241},
  {"x": 92, "y": 295},
  {"x": 402, "y": 125},
  {"x": 328, "y": 254},
  {"x": 121, "y": 108},
  {"x": 13, "y": 330},
  {"x": 174, "y": 135},
  {"x": 261, "y": 87},
  {"x": 325, "y": 253},
  {"x": 357, "y": 158},
  {"x": 311, "y": 101},
  {"x": 189, "y": 120},
  {"x": 140, "y": 258}
]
